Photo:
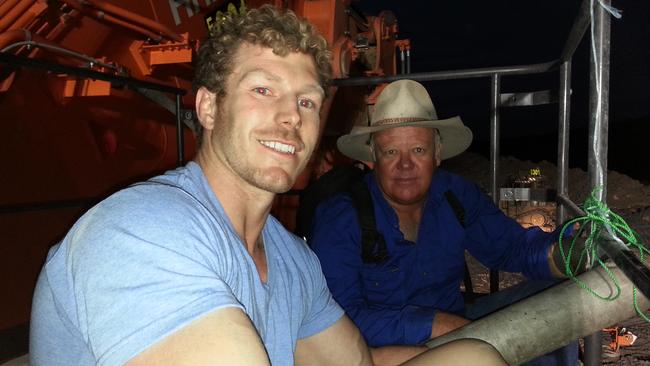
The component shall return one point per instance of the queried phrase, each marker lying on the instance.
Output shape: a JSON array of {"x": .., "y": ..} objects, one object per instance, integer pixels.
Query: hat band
[{"x": 392, "y": 121}]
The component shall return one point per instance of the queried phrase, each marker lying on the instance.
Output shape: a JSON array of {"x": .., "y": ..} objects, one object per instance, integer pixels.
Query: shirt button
[
  {"x": 424, "y": 273},
  {"x": 376, "y": 284}
]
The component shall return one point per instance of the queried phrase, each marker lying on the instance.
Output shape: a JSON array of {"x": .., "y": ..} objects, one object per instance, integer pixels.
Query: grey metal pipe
[
  {"x": 495, "y": 91},
  {"x": 567, "y": 203},
  {"x": 563, "y": 136},
  {"x": 598, "y": 128},
  {"x": 599, "y": 101},
  {"x": 624, "y": 258},
  {"x": 495, "y": 94},
  {"x": 552, "y": 318},
  {"x": 451, "y": 74},
  {"x": 578, "y": 29}
]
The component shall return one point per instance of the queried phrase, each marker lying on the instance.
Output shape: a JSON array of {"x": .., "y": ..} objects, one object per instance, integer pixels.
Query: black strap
[
  {"x": 373, "y": 246},
  {"x": 459, "y": 211},
  {"x": 456, "y": 206}
]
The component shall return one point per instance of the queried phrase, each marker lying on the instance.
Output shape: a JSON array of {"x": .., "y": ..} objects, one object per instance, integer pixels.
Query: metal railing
[{"x": 115, "y": 80}]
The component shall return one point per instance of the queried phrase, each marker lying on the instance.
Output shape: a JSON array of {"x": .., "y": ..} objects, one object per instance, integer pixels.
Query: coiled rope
[{"x": 600, "y": 217}]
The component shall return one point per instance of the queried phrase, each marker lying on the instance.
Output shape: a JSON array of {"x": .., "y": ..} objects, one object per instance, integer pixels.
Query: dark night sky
[{"x": 459, "y": 34}]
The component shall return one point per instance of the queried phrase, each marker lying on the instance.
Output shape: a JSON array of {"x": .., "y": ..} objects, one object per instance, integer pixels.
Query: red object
[
  {"x": 621, "y": 337},
  {"x": 68, "y": 141}
]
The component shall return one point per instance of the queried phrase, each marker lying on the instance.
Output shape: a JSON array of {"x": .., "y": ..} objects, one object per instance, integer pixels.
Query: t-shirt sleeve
[
  {"x": 323, "y": 311},
  {"x": 142, "y": 273}
]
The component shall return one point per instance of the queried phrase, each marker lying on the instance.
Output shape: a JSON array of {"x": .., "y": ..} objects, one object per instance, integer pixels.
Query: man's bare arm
[
  {"x": 395, "y": 355},
  {"x": 223, "y": 337},
  {"x": 341, "y": 344},
  {"x": 445, "y": 322},
  {"x": 461, "y": 352}
]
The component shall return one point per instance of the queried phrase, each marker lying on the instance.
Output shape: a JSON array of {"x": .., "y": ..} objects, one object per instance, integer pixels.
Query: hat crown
[{"x": 403, "y": 101}]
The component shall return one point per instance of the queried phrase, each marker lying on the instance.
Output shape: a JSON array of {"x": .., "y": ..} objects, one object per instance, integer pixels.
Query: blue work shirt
[{"x": 394, "y": 302}]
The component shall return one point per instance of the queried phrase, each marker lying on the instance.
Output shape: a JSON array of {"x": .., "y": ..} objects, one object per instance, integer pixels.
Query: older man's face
[{"x": 406, "y": 158}]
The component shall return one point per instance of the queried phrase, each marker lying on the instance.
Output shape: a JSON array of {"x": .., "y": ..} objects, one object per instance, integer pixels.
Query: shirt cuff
[{"x": 417, "y": 324}]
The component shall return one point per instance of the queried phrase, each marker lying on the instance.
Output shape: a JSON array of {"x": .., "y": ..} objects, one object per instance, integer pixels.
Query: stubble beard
[{"x": 271, "y": 179}]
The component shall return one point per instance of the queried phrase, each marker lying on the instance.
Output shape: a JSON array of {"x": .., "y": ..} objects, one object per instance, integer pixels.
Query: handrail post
[
  {"x": 598, "y": 128},
  {"x": 580, "y": 25},
  {"x": 495, "y": 92},
  {"x": 563, "y": 137}
]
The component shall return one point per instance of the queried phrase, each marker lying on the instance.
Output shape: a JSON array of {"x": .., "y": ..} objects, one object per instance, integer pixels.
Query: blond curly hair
[{"x": 280, "y": 30}]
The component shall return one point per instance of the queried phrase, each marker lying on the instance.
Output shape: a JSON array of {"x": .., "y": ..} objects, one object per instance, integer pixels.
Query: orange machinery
[{"x": 70, "y": 140}]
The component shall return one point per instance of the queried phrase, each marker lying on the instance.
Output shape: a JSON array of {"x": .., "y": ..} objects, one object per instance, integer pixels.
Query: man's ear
[
  {"x": 437, "y": 147},
  {"x": 371, "y": 144},
  {"x": 372, "y": 153},
  {"x": 206, "y": 107}
]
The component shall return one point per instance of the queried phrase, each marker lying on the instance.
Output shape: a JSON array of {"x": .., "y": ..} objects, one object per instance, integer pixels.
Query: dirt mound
[
  {"x": 623, "y": 192},
  {"x": 625, "y": 196}
]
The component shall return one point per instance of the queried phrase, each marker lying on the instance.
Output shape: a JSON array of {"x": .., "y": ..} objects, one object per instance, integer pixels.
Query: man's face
[
  {"x": 405, "y": 159},
  {"x": 267, "y": 124}
]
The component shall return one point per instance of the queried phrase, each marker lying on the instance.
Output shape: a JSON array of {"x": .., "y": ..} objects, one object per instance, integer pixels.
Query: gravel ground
[{"x": 625, "y": 196}]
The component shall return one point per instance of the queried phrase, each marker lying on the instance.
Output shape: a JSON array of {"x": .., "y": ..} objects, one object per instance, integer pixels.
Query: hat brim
[{"x": 454, "y": 135}]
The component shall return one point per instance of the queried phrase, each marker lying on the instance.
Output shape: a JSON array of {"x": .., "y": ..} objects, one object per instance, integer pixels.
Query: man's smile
[{"x": 279, "y": 146}]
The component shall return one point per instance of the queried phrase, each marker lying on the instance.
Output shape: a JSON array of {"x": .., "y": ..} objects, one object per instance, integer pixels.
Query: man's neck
[
  {"x": 247, "y": 207},
  {"x": 409, "y": 219}
]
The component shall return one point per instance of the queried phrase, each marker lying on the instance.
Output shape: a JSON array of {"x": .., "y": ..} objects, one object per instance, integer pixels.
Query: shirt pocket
[{"x": 383, "y": 285}]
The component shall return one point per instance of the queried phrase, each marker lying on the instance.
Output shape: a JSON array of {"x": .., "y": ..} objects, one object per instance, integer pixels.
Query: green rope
[{"x": 601, "y": 218}]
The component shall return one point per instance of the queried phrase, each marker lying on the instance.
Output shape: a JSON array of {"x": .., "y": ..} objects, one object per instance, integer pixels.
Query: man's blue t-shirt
[{"x": 154, "y": 257}]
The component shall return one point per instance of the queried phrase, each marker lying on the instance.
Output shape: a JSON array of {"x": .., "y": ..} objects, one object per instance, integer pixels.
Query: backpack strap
[
  {"x": 456, "y": 206},
  {"x": 459, "y": 211},
  {"x": 373, "y": 245}
]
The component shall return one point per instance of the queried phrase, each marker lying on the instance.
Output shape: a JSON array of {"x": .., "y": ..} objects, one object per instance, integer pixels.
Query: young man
[
  {"x": 413, "y": 293},
  {"x": 188, "y": 268}
]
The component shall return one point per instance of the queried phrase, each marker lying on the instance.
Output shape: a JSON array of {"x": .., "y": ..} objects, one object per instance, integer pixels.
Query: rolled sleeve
[{"x": 417, "y": 324}]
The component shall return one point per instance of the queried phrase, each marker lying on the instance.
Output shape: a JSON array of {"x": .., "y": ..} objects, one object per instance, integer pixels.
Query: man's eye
[
  {"x": 418, "y": 150},
  {"x": 262, "y": 90},
  {"x": 391, "y": 152},
  {"x": 306, "y": 103}
]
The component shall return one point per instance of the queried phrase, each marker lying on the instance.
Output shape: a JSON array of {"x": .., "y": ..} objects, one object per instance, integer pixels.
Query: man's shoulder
[
  {"x": 450, "y": 178},
  {"x": 156, "y": 211},
  {"x": 444, "y": 181},
  {"x": 147, "y": 201},
  {"x": 177, "y": 192}
]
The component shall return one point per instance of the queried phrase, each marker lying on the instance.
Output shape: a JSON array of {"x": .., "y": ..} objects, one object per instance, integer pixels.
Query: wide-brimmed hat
[{"x": 406, "y": 103}]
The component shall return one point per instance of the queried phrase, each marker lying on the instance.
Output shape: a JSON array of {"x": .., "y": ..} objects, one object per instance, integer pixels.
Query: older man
[{"x": 409, "y": 291}]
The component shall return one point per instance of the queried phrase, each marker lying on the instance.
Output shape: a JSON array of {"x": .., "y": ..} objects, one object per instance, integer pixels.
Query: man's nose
[
  {"x": 405, "y": 161},
  {"x": 289, "y": 113}
]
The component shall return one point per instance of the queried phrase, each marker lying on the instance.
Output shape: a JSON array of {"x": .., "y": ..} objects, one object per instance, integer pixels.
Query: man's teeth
[{"x": 278, "y": 146}]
